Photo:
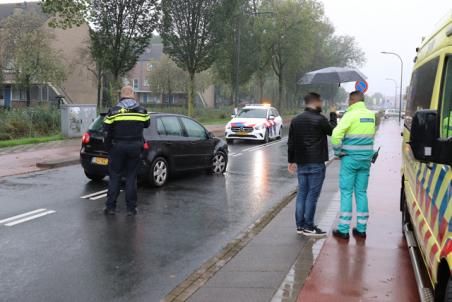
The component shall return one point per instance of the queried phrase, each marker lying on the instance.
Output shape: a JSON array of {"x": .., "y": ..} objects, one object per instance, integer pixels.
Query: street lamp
[
  {"x": 395, "y": 95},
  {"x": 401, "y": 79}
]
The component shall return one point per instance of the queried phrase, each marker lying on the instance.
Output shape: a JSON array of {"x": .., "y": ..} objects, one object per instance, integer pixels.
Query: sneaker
[
  {"x": 313, "y": 232},
  {"x": 132, "y": 212},
  {"x": 109, "y": 211},
  {"x": 358, "y": 233},
  {"x": 299, "y": 231},
  {"x": 339, "y": 234}
]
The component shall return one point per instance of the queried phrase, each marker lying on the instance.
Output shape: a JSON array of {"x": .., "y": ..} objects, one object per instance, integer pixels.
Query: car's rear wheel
[
  {"x": 95, "y": 177},
  {"x": 219, "y": 163},
  {"x": 159, "y": 172}
]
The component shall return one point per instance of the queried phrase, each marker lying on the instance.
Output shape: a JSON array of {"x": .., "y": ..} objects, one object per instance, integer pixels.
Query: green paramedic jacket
[{"x": 354, "y": 135}]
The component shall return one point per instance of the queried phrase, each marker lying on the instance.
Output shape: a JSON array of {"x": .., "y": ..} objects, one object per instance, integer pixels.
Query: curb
[
  {"x": 208, "y": 269},
  {"x": 58, "y": 163}
]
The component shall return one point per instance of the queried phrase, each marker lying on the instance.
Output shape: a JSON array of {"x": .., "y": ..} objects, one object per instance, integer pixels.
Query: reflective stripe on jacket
[
  {"x": 354, "y": 135},
  {"x": 126, "y": 115}
]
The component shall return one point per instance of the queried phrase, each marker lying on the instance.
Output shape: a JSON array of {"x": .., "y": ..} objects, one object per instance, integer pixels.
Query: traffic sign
[{"x": 362, "y": 86}]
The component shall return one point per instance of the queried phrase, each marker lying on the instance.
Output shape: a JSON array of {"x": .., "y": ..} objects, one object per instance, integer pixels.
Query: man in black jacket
[
  {"x": 307, "y": 154},
  {"x": 124, "y": 125}
]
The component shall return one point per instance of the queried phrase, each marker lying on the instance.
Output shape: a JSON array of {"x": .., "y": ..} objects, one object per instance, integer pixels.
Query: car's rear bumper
[{"x": 86, "y": 160}]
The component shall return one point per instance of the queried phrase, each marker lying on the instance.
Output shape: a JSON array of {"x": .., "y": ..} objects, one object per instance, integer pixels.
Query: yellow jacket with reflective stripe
[{"x": 354, "y": 135}]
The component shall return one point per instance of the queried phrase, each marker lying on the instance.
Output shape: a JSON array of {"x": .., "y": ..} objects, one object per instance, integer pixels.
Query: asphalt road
[{"x": 68, "y": 250}]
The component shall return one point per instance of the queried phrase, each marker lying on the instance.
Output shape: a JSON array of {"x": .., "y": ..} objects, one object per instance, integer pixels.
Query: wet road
[{"x": 68, "y": 250}]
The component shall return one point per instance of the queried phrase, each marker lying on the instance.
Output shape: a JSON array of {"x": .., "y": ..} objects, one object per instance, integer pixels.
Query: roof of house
[
  {"x": 7, "y": 9},
  {"x": 153, "y": 52}
]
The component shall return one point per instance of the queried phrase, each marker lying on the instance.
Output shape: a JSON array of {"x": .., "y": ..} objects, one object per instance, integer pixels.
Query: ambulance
[{"x": 426, "y": 194}]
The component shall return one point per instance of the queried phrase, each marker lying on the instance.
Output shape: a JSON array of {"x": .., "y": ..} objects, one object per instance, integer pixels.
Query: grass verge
[{"x": 30, "y": 140}]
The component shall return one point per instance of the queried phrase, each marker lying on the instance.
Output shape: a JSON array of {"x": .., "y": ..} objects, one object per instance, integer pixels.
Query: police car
[{"x": 255, "y": 122}]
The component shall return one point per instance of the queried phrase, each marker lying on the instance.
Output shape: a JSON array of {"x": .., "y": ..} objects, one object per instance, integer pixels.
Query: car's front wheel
[
  {"x": 229, "y": 141},
  {"x": 280, "y": 134},
  {"x": 159, "y": 172},
  {"x": 95, "y": 177},
  {"x": 219, "y": 163}
]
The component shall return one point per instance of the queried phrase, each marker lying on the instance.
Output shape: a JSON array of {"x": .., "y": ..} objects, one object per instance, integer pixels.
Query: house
[
  {"x": 79, "y": 87},
  {"x": 138, "y": 78}
]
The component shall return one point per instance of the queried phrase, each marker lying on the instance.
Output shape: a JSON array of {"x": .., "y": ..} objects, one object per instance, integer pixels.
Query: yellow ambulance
[{"x": 426, "y": 195}]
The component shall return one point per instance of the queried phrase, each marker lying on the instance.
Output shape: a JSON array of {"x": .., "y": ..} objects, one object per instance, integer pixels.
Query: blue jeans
[{"x": 310, "y": 182}]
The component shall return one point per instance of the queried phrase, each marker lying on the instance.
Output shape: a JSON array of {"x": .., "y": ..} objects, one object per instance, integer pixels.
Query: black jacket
[
  {"x": 307, "y": 142},
  {"x": 125, "y": 122}
]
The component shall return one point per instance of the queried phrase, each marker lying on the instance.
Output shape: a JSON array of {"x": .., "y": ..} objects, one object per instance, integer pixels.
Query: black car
[{"x": 173, "y": 144}]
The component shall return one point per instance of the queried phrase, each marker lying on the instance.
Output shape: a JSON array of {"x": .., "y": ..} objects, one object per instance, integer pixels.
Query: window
[
  {"x": 252, "y": 113},
  {"x": 160, "y": 127},
  {"x": 421, "y": 89},
  {"x": 135, "y": 84},
  {"x": 274, "y": 112},
  {"x": 446, "y": 100},
  {"x": 149, "y": 66},
  {"x": 171, "y": 125},
  {"x": 146, "y": 83},
  {"x": 194, "y": 130}
]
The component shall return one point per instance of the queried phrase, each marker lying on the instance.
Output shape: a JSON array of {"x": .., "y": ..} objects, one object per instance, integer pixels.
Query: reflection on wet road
[{"x": 81, "y": 255}]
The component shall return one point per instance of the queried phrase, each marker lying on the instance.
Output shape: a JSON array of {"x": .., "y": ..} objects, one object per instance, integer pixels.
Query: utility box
[{"x": 76, "y": 118}]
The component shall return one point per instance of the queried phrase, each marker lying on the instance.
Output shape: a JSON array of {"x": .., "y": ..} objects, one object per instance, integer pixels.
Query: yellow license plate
[
  {"x": 242, "y": 133},
  {"x": 100, "y": 161}
]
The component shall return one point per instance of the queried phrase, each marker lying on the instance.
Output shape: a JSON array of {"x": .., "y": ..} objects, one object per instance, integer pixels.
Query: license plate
[
  {"x": 100, "y": 161},
  {"x": 242, "y": 133}
]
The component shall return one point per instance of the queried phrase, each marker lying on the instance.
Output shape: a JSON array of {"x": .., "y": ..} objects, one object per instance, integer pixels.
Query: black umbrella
[{"x": 332, "y": 75}]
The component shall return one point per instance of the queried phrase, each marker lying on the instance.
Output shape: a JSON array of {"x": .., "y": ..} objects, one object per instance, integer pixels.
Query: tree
[
  {"x": 28, "y": 51},
  {"x": 291, "y": 39},
  {"x": 191, "y": 30},
  {"x": 120, "y": 29},
  {"x": 166, "y": 78}
]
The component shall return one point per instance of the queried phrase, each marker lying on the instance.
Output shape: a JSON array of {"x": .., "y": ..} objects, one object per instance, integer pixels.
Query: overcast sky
[
  {"x": 383, "y": 25},
  {"x": 386, "y": 25}
]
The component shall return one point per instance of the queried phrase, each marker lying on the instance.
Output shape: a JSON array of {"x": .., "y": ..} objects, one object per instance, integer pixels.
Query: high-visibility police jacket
[
  {"x": 447, "y": 126},
  {"x": 125, "y": 122},
  {"x": 354, "y": 135}
]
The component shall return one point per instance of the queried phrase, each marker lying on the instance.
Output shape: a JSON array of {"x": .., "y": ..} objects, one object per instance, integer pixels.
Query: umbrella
[{"x": 332, "y": 75}]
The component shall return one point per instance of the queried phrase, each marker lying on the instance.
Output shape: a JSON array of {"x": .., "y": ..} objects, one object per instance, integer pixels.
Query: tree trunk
[
  {"x": 191, "y": 94},
  {"x": 99, "y": 91},
  {"x": 280, "y": 92},
  {"x": 261, "y": 81},
  {"x": 28, "y": 93}
]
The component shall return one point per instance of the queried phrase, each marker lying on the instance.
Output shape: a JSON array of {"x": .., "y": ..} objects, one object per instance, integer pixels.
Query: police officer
[
  {"x": 124, "y": 125},
  {"x": 353, "y": 141}
]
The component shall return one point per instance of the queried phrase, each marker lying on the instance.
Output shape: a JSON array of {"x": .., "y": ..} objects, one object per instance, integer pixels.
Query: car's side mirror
[
  {"x": 232, "y": 115},
  {"x": 271, "y": 117},
  {"x": 210, "y": 135},
  {"x": 424, "y": 139},
  {"x": 424, "y": 134}
]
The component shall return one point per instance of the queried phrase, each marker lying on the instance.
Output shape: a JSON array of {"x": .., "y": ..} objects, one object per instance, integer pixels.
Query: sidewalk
[
  {"x": 277, "y": 265},
  {"x": 379, "y": 268},
  {"x": 24, "y": 159}
]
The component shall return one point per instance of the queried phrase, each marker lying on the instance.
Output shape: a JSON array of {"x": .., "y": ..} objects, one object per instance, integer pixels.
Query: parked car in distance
[
  {"x": 391, "y": 113},
  {"x": 255, "y": 122},
  {"x": 172, "y": 144}
]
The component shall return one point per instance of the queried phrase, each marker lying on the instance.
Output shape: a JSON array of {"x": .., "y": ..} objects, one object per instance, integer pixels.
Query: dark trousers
[
  {"x": 124, "y": 159},
  {"x": 310, "y": 182}
]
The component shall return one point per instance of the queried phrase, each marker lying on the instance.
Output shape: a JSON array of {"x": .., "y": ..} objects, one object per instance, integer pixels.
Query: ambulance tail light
[{"x": 85, "y": 138}]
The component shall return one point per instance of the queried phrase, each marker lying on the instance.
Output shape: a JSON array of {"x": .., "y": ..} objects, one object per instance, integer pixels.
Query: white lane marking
[
  {"x": 21, "y": 215},
  {"x": 238, "y": 154},
  {"x": 94, "y": 194},
  {"x": 264, "y": 146},
  {"x": 98, "y": 197},
  {"x": 30, "y": 218}
]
